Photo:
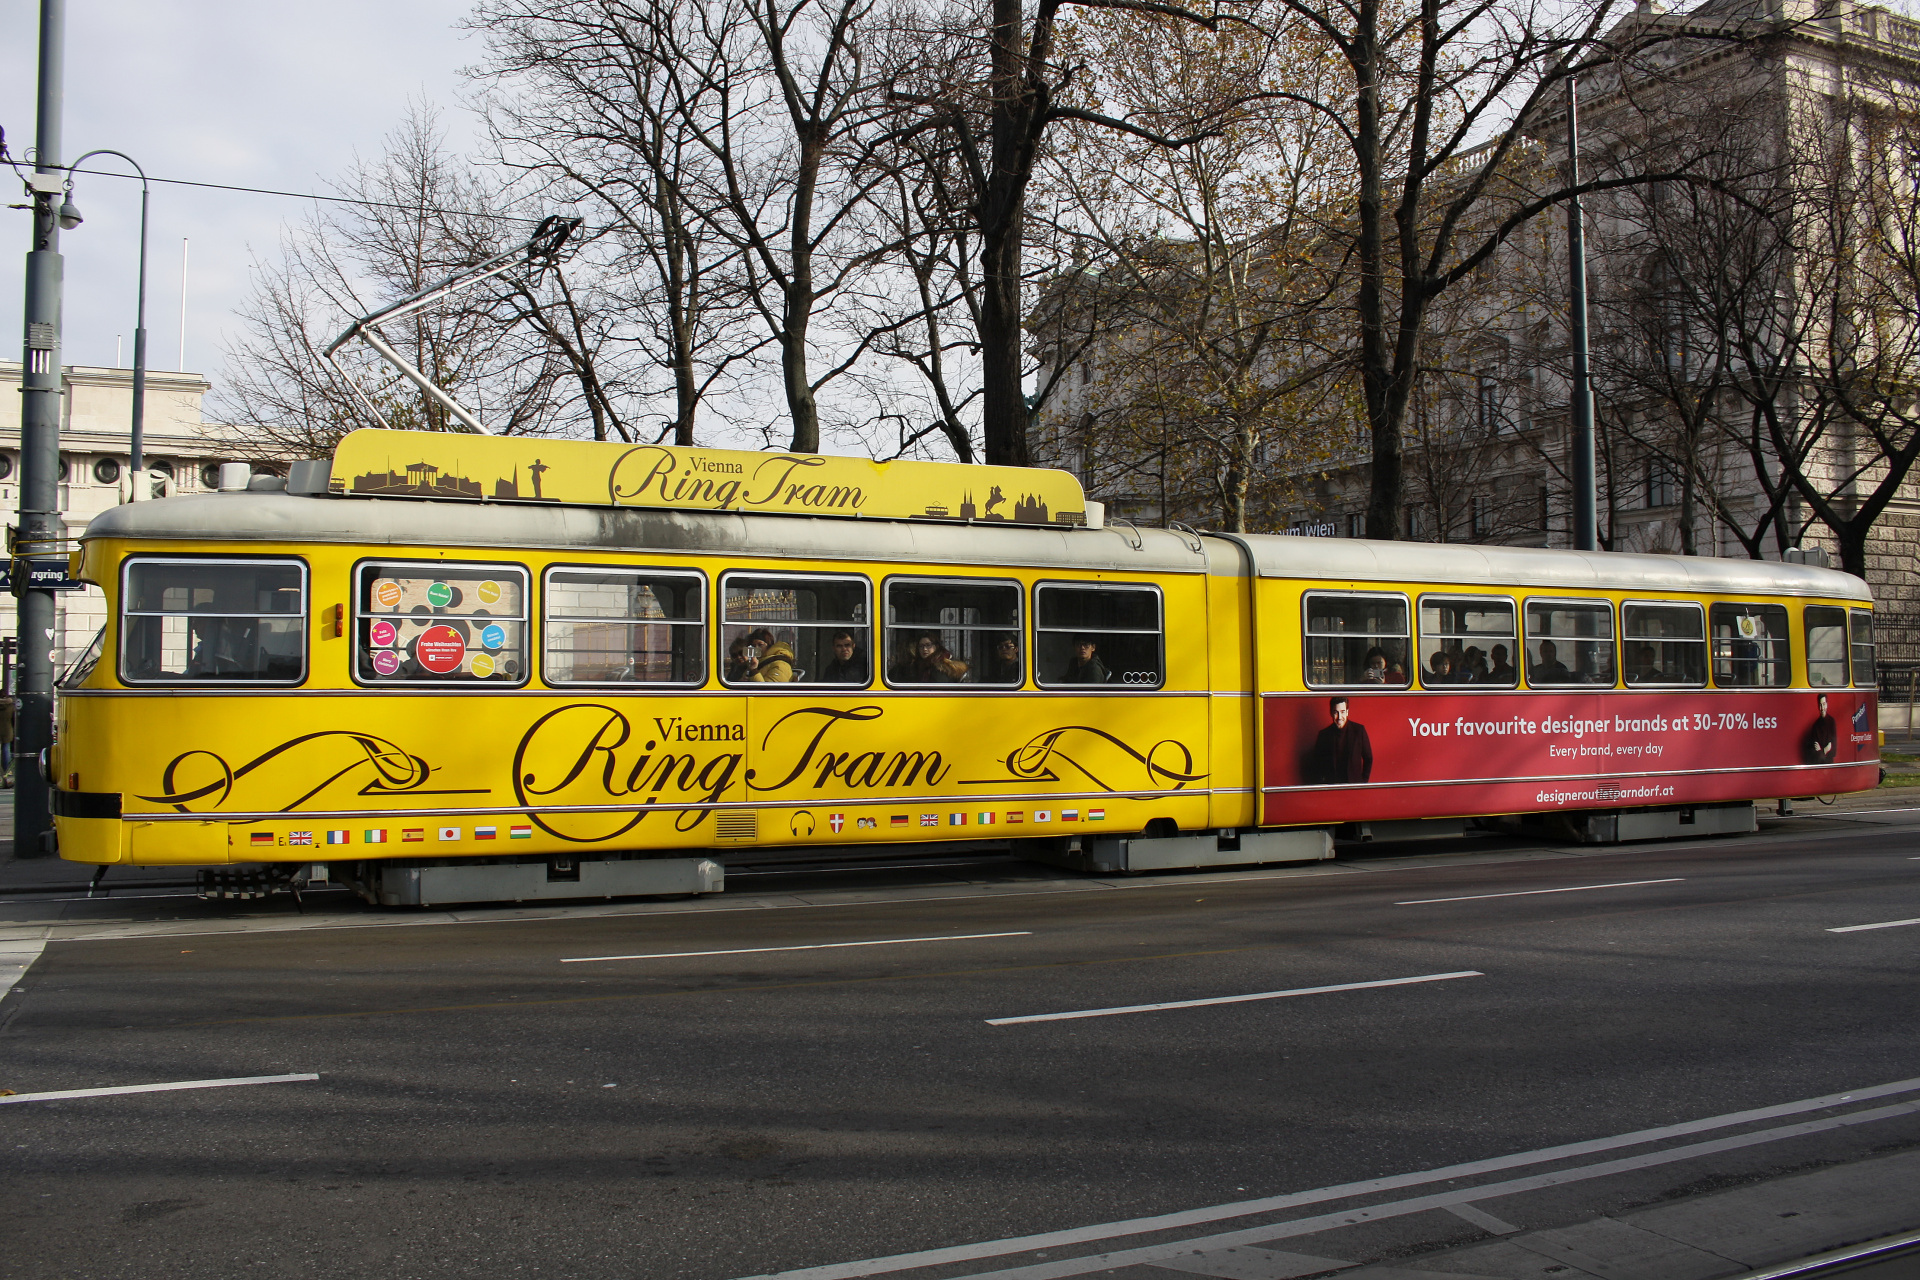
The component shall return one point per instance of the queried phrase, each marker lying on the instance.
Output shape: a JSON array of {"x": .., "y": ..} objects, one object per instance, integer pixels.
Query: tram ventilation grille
[{"x": 737, "y": 826}]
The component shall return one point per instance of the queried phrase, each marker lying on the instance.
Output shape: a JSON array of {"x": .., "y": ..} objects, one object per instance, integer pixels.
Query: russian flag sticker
[
  {"x": 486, "y": 833},
  {"x": 1069, "y": 815}
]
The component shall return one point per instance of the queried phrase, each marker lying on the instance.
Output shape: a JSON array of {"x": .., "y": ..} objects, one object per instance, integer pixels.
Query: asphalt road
[{"x": 484, "y": 1108}]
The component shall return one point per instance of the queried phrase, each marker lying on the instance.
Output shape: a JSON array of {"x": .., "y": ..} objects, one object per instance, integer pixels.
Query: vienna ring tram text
[{"x": 458, "y": 668}]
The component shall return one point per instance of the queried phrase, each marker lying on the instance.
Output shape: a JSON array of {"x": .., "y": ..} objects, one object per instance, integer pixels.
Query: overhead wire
[{"x": 307, "y": 195}]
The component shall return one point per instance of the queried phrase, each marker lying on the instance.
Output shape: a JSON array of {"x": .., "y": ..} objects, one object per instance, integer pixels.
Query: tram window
[
  {"x": 421, "y": 623},
  {"x": 1666, "y": 644},
  {"x": 1863, "y": 673},
  {"x": 1826, "y": 646},
  {"x": 1356, "y": 640},
  {"x": 619, "y": 626},
  {"x": 953, "y": 632},
  {"x": 1569, "y": 642},
  {"x": 1751, "y": 648},
  {"x": 1096, "y": 636},
  {"x": 1468, "y": 640},
  {"x": 188, "y": 621},
  {"x": 784, "y": 631}
]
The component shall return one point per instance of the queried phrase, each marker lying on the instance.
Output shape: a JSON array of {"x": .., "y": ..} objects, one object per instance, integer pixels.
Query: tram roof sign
[{"x": 375, "y": 463}]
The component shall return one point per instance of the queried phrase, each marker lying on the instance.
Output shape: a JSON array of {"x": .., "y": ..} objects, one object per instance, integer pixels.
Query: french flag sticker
[
  {"x": 956, "y": 819},
  {"x": 339, "y": 837}
]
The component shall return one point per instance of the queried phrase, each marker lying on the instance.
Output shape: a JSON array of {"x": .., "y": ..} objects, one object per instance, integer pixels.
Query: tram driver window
[
  {"x": 1468, "y": 640},
  {"x": 1096, "y": 636},
  {"x": 1751, "y": 648},
  {"x": 1666, "y": 644},
  {"x": 619, "y": 626},
  {"x": 1826, "y": 646},
  {"x": 1569, "y": 642},
  {"x": 1357, "y": 640},
  {"x": 436, "y": 623},
  {"x": 949, "y": 632},
  {"x": 795, "y": 631},
  {"x": 194, "y": 621}
]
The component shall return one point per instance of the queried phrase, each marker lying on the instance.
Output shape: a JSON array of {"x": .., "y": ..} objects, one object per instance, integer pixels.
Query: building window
[
  {"x": 624, "y": 626},
  {"x": 1416, "y": 524},
  {"x": 213, "y": 621},
  {"x": 1662, "y": 488},
  {"x": 1356, "y": 524},
  {"x": 107, "y": 471},
  {"x": 1545, "y": 513},
  {"x": 1486, "y": 403},
  {"x": 1480, "y": 513},
  {"x": 433, "y": 623}
]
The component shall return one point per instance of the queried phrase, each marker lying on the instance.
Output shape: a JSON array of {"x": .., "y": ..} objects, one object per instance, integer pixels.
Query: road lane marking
[
  {"x": 155, "y": 1088},
  {"x": 1884, "y": 924},
  {"x": 816, "y": 946},
  {"x": 1152, "y": 1254},
  {"x": 1528, "y": 893},
  {"x": 1259, "y": 995},
  {"x": 18, "y": 953},
  {"x": 1321, "y": 1195}
]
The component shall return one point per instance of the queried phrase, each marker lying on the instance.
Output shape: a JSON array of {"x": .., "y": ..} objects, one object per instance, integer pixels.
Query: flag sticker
[
  {"x": 1016, "y": 816},
  {"x": 836, "y": 821},
  {"x": 956, "y": 819},
  {"x": 409, "y": 834},
  {"x": 300, "y": 837},
  {"x": 986, "y": 819},
  {"x": 486, "y": 833},
  {"x": 898, "y": 820},
  {"x": 260, "y": 837},
  {"x": 1069, "y": 815},
  {"x": 1043, "y": 815},
  {"x": 374, "y": 837},
  {"x": 929, "y": 819},
  {"x": 1096, "y": 815},
  {"x": 339, "y": 837},
  {"x": 520, "y": 833},
  {"x": 449, "y": 833}
]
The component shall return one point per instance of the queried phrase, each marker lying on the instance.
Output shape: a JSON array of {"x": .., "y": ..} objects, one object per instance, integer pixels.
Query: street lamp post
[{"x": 70, "y": 218}]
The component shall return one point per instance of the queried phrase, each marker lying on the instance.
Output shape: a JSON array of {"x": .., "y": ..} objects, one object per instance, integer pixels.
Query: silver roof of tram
[{"x": 495, "y": 526}]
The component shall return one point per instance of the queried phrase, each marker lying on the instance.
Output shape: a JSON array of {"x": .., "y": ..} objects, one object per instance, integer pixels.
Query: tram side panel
[{"x": 1370, "y": 752}]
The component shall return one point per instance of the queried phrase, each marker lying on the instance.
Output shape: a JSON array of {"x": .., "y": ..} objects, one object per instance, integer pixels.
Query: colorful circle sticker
[
  {"x": 386, "y": 593},
  {"x": 386, "y": 662},
  {"x": 440, "y": 649},
  {"x": 482, "y": 666},
  {"x": 439, "y": 595},
  {"x": 494, "y": 636},
  {"x": 488, "y": 591},
  {"x": 384, "y": 635}
]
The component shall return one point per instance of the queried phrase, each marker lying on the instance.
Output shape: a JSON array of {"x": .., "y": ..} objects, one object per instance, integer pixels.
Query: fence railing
[{"x": 1900, "y": 699}]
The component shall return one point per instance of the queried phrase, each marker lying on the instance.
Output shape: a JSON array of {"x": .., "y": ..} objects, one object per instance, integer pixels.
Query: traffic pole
[
  {"x": 40, "y": 526},
  {"x": 1586, "y": 535}
]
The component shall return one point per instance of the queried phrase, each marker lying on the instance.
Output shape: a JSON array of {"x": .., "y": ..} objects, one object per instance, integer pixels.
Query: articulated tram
[{"x": 449, "y": 668}]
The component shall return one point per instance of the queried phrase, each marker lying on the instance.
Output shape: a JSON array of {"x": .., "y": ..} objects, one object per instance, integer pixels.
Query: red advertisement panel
[{"x": 1444, "y": 754}]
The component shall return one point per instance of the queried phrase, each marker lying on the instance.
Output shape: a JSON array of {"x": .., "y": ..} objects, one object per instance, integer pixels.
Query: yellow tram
[{"x": 456, "y": 668}]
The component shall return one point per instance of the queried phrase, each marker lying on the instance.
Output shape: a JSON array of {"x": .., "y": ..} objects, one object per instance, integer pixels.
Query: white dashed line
[
  {"x": 1261, "y": 995},
  {"x": 816, "y": 946},
  {"x": 1884, "y": 924},
  {"x": 1527, "y": 893},
  {"x": 228, "y": 1083}
]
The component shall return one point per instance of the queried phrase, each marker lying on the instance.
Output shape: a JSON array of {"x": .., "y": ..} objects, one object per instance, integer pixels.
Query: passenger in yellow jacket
[{"x": 776, "y": 664}]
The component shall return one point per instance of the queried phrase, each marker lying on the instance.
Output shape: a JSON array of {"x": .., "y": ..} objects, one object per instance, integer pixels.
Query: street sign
[{"x": 47, "y": 575}]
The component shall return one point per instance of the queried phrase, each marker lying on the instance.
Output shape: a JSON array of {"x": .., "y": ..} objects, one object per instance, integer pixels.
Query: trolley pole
[
  {"x": 1585, "y": 522},
  {"x": 40, "y": 523}
]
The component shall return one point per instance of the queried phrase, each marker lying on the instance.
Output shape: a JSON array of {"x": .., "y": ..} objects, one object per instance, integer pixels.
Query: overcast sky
[{"x": 248, "y": 92}]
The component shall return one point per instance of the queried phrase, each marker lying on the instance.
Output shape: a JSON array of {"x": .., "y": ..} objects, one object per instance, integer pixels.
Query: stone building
[{"x": 183, "y": 455}]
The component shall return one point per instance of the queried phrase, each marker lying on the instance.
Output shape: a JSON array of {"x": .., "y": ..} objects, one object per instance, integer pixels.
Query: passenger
[
  {"x": 849, "y": 665},
  {"x": 1376, "y": 672},
  {"x": 1086, "y": 667},
  {"x": 1549, "y": 669},
  {"x": 1440, "y": 668},
  {"x": 1502, "y": 671},
  {"x": 1474, "y": 666},
  {"x": 1646, "y": 667},
  {"x": 1004, "y": 667},
  {"x": 742, "y": 658},
  {"x": 926, "y": 662},
  {"x": 774, "y": 662}
]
